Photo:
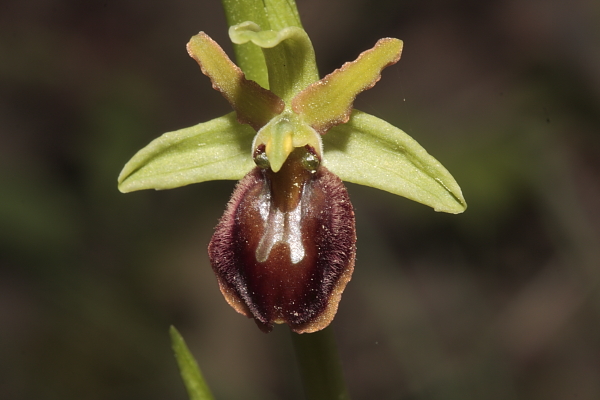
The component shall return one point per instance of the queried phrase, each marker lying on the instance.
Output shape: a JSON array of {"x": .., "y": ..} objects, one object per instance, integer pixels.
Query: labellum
[{"x": 284, "y": 250}]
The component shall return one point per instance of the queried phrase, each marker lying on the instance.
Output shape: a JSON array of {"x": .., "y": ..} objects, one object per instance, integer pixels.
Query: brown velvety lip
[{"x": 284, "y": 250}]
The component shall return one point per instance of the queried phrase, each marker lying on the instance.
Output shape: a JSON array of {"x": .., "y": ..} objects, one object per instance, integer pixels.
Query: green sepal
[
  {"x": 289, "y": 56},
  {"x": 188, "y": 368},
  {"x": 213, "y": 150},
  {"x": 371, "y": 152}
]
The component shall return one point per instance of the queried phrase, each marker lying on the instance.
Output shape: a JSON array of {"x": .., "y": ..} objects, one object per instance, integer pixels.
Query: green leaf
[
  {"x": 190, "y": 372},
  {"x": 328, "y": 102},
  {"x": 369, "y": 151},
  {"x": 217, "y": 149}
]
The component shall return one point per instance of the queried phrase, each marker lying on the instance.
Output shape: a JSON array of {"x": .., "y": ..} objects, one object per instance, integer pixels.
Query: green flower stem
[
  {"x": 320, "y": 366},
  {"x": 316, "y": 353}
]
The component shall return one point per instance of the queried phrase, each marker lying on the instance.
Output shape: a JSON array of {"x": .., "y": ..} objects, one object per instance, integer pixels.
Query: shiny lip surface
[{"x": 284, "y": 250}]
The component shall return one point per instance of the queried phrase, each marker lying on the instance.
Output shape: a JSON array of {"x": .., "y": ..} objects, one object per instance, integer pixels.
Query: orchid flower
[{"x": 284, "y": 250}]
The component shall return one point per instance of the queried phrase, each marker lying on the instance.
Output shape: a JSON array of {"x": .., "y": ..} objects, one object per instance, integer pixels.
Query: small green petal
[
  {"x": 289, "y": 56},
  {"x": 371, "y": 152},
  {"x": 217, "y": 149},
  {"x": 328, "y": 102},
  {"x": 254, "y": 104}
]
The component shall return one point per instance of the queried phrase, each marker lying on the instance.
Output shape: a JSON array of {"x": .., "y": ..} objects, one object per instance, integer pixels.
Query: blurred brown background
[{"x": 501, "y": 302}]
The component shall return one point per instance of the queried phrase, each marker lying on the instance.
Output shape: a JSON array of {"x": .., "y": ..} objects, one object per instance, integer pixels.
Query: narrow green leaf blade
[
  {"x": 371, "y": 152},
  {"x": 213, "y": 150},
  {"x": 190, "y": 372}
]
